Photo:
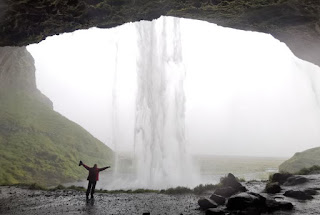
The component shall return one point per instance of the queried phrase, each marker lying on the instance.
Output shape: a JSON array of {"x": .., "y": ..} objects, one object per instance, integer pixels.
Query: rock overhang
[{"x": 295, "y": 22}]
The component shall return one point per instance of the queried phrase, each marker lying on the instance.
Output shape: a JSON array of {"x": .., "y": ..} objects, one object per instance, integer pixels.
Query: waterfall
[{"x": 160, "y": 144}]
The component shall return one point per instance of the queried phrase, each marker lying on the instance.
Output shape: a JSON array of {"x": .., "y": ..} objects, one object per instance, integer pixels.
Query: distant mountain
[
  {"x": 38, "y": 144},
  {"x": 300, "y": 160}
]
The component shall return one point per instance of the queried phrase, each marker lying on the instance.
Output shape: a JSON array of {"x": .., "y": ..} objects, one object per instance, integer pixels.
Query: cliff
[{"x": 38, "y": 144}]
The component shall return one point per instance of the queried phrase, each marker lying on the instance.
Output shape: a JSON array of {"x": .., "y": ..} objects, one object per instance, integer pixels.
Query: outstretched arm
[
  {"x": 85, "y": 166},
  {"x": 101, "y": 169}
]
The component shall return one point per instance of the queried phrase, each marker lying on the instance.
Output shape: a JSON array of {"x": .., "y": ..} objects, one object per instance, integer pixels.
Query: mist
[{"x": 245, "y": 92}]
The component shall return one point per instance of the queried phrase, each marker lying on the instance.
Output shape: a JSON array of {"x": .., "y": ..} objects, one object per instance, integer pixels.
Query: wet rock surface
[
  {"x": 14, "y": 200},
  {"x": 295, "y": 180},
  {"x": 218, "y": 199},
  {"x": 206, "y": 203},
  {"x": 298, "y": 198},
  {"x": 297, "y": 194}
]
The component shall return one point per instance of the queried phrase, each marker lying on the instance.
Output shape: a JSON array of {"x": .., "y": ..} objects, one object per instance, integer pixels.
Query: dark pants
[{"x": 91, "y": 186}]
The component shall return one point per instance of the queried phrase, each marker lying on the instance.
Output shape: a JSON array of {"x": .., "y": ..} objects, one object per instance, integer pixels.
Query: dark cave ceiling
[{"x": 295, "y": 22}]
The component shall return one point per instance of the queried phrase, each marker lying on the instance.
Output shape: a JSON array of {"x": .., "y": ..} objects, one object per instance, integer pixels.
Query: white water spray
[{"x": 160, "y": 144}]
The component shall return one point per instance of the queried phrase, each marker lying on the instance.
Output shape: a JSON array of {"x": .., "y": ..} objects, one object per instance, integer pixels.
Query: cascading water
[{"x": 160, "y": 144}]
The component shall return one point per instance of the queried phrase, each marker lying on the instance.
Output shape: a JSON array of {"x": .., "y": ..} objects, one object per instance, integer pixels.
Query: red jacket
[{"x": 93, "y": 172}]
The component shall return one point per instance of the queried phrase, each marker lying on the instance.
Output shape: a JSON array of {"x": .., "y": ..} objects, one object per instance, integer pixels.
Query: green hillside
[
  {"x": 300, "y": 160},
  {"x": 39, "y": 145}
]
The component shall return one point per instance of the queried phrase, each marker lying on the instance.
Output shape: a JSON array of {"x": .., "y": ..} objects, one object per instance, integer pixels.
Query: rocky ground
[{"x": 17, "y": 200}]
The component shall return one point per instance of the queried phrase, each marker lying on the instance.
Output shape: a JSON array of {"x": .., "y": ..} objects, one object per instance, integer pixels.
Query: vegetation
[
  {"x": 198, "y": 190},
  {"x": 302, "y": 160},
  {"x": 309, "y": 171},
  {"x": 39, "y": 145}
]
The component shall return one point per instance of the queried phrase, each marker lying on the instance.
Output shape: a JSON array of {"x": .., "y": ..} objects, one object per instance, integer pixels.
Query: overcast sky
[{"x": 246, "y": 93}]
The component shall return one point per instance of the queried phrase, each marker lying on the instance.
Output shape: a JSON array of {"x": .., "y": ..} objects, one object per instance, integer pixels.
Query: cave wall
[{"x": 295, "y": 22}]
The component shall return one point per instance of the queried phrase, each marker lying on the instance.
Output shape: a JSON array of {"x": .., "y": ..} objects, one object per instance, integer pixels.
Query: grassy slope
[
  {"x": 305, "y": 159},
  {"x": 40, "y": 145}
]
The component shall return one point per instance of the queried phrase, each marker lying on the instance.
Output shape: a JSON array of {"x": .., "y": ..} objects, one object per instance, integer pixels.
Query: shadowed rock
[
  {"x": 281, "y": 178},
  {"x": 297, "y": 194},
  {"x": 295, "y": 180},
  {"x": 243, "y": 201},
  {"x": 215, "y": 211},
  {"x": 218, "y": 199},
  {"x": 206, "y": 203},
  {"x": 272, "y": 187},
  {"x": 273, "y": 205},
  {"x": 231, "y": 181},
  {"x": 225, "y": 191},
  {"x": 311, "y": 192}
]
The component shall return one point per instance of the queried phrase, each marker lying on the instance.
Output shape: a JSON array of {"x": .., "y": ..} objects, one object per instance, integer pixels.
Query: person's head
[{"x": 95, "y": 166}]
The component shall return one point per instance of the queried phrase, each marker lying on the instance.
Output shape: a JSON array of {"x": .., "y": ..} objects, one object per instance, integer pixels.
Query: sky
[{"x": 246, "y": 93}]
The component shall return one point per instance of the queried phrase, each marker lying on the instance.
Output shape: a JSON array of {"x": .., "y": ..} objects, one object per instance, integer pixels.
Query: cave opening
[{"x": 238, "y": 93}]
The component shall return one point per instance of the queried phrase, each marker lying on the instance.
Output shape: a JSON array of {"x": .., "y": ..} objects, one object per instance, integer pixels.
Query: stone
[
  {"x": 285, "y": 205},
  {"x": 281, "y": 178},
  {"x": 311, "y": 192},
  {"x": 231, "y": 181},
  {"x": 272, "y": 187},
  {"x": 220, "y": 200},
  {"x": 246, "y": 200},
  {"x": 295, "y": 180},
  {"x": 273, "y": 205},
  {"x": 225, "y": 191},
  {"x": 215, "y": 211},
  {"x": 206, "y": 203},
  {"x": 297, "y": 194}
]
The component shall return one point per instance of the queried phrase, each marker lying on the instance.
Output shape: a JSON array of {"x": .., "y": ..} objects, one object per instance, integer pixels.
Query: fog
[{"x": 245, "y": 92}]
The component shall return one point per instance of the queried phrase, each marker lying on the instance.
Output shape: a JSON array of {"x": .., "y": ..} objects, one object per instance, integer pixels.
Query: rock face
[
  {"x": 294, "y": 22},
  {"x": 36, "y": 143},
  {"x": 17, "y": 73}
]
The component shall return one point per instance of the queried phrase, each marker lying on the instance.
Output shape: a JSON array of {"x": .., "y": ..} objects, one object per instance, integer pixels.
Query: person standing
[{"x": 93, "y": 177}]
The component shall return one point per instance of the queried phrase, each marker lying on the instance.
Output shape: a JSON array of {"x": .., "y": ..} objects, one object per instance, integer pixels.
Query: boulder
[
  {"x": 220, "y": 200},
  {"x": 311, "y": 192},
  {"x": 225, "y": 191},
  {"x": 295, "y": 180},
  {"x": 272, "y": 187},
  {"x": 232, "y": 181},
  {"x": 273, "y": 205},
  {"x": 206, "y": 203},
  {"x": 297, "y": 194},
  {"x": 246, "y": 200},
  {"x": 280, "y": 177},
  {"x": 285, "y": 205},
  {"x": 215, "y": 211}
]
